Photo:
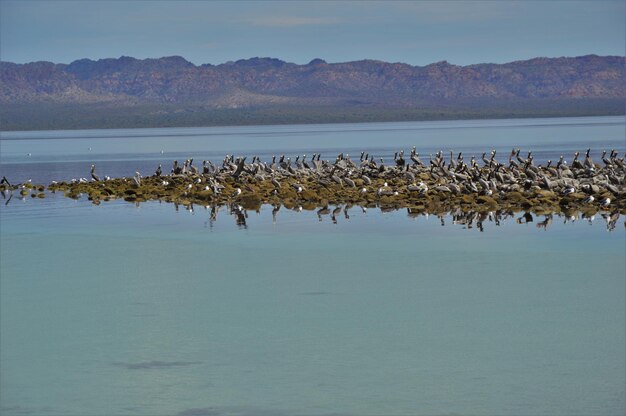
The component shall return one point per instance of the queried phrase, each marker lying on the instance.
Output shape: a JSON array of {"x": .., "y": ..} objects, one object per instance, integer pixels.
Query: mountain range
[{"x": 173, "y": 91}]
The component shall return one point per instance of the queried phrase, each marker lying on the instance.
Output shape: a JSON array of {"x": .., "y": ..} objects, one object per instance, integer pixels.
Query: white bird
[{"x": 137, "y": 178}]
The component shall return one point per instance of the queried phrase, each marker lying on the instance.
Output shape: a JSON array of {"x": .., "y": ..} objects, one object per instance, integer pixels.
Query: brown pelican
[
  {"x": 93, "y": 174},
  {"x": 275, "y": 183}
]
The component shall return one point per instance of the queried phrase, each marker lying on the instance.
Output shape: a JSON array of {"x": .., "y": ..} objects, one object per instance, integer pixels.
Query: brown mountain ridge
[{"x": 175, "y": 87}]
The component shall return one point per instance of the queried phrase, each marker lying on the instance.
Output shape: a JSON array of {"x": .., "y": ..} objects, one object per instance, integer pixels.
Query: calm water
[{"x": 121, "y": 309}]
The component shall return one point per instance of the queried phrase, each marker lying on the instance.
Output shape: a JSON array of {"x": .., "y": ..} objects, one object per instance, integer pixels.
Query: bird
[
  {"x": 605, "y": 202},
  {"x": 414, "y": 187},
  {"x": 93, "y": 173},
  {"x": 137, "y": 179},
  {"x": 349, "y": 182}
]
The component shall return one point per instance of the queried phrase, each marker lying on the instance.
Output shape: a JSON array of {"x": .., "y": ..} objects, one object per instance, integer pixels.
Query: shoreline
[{"x": 281, "y": 117}]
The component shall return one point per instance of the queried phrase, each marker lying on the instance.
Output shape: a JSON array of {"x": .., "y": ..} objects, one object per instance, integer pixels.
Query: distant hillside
[{"x": 128, "y": 92}]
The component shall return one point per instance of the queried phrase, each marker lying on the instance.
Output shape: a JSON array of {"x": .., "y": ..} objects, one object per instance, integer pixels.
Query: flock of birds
[
  {"x": 600, "y": 182},
  {"x": 452, "y": 174}
]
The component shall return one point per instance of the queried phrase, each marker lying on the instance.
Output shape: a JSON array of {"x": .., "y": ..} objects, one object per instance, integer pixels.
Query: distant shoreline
[{"x": 46, "y": 116}]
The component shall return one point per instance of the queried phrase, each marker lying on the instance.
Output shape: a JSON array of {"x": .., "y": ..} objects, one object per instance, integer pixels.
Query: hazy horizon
[
  {"x": 289, "y": 62},
  {"x": 416, "y": 33}
]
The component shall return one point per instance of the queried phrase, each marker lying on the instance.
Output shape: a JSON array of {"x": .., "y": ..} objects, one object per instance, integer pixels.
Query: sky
[{"x": 413, "y": 32}]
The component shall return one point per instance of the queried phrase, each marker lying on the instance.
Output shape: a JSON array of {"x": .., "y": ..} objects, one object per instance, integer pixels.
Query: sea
[{"x": 160, "y": 309}]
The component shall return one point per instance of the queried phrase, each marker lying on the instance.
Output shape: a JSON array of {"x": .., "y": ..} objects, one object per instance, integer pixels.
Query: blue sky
[{"x": 415, "y": 32}]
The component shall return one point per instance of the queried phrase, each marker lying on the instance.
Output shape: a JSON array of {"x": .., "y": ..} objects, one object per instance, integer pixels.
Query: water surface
[{"x": 124, "y": 309}]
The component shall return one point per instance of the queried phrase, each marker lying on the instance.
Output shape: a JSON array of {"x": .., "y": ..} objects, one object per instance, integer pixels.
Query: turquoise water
[{"x": 121, "y": 309}]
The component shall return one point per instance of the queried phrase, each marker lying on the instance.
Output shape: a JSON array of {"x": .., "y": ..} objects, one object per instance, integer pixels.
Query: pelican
[
  {"x": 414, "y": 187},
  {"x": 137, "y": 179},
  {"x": 93, "y": 173},
  {"x": 349, "y": 182}
]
